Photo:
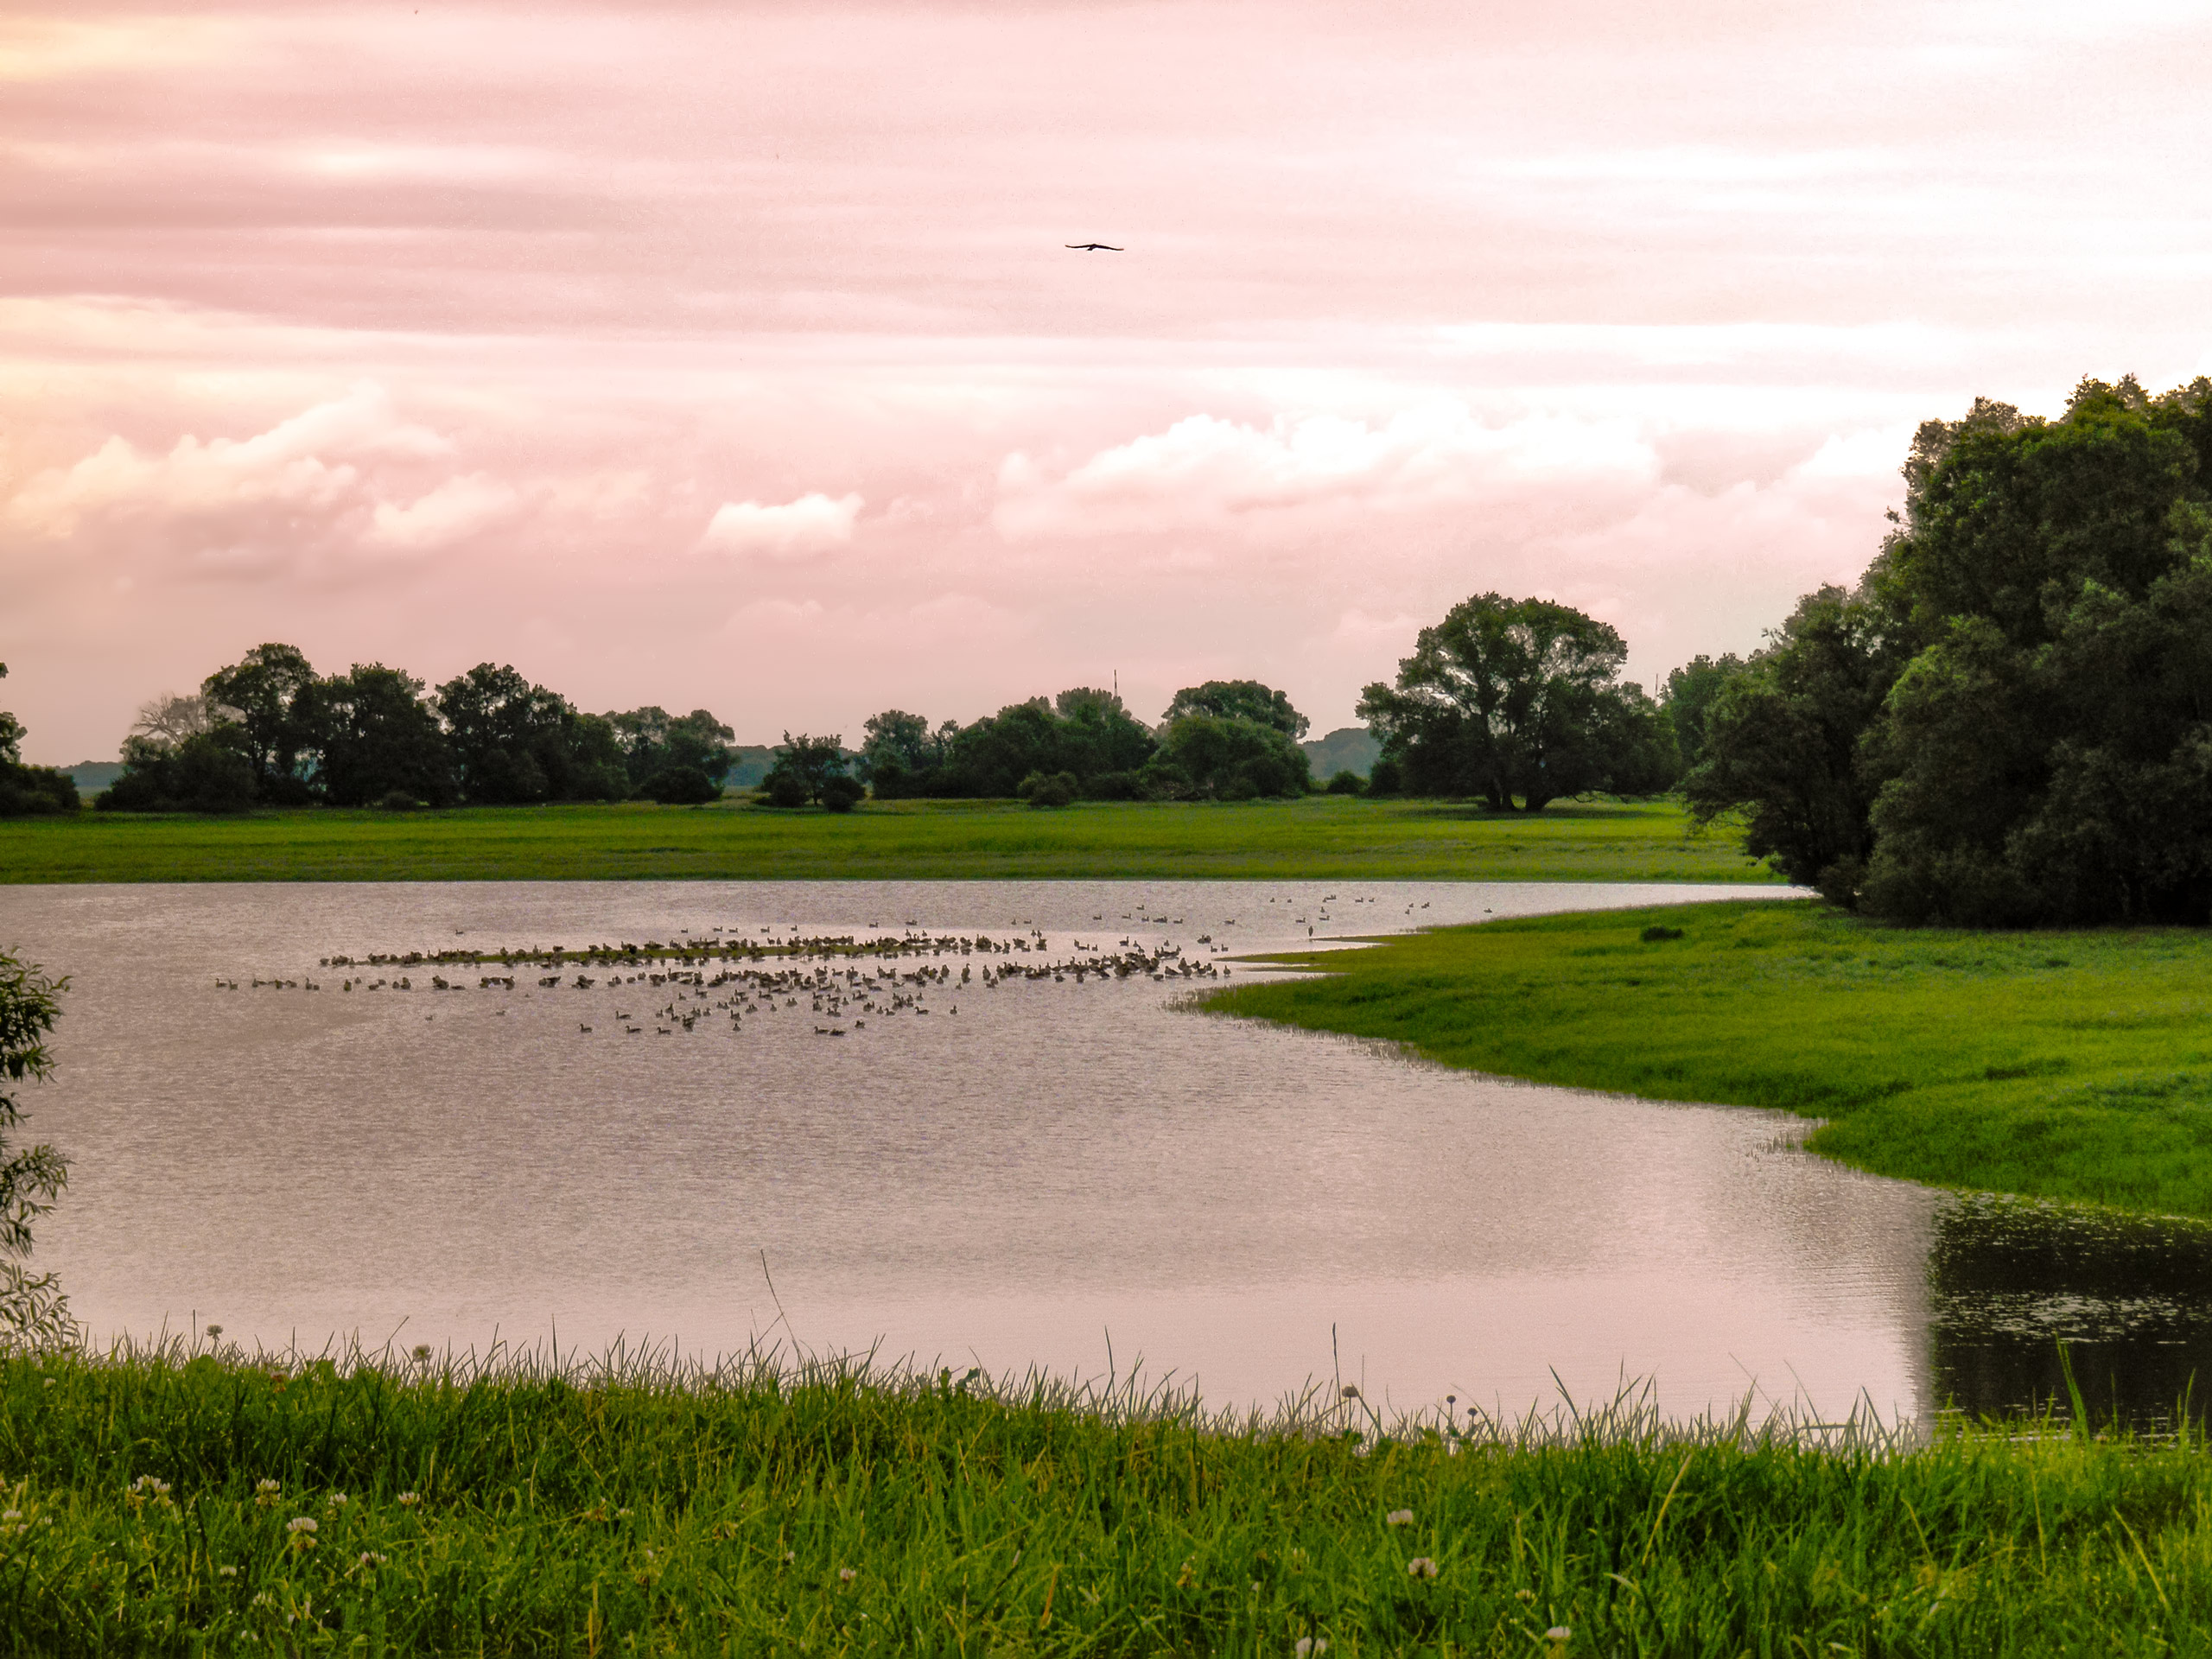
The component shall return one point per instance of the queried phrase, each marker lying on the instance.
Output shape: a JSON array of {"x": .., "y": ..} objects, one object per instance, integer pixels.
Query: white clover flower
[
  {"x": 226, "y": 1571},
  {"x": 1559, "y": 1635},
  {"x": 846, "y": 1574},
  {"x": 12, "y": 1515},
  {"x": 1422, "y": 1567},
  {"x": 789, "y": 1555},
  {"x": 370, "y": 1558},
  {"x": 1399, "y": 1518},
  {"x": 622, "y": 1514},
  {"x": 1309, "y": 1646},
  {"x": 409, "y": 1500},
  {"x": 51, "y": 1381},
  {"x": 302, "y": 1523},
  {"x": 339, "y": 1500},
  {"x": 268, "y": 1486}
]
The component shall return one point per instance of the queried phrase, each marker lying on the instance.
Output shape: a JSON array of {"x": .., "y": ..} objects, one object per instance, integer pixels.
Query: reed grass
[
  {"x": 1321, "y": 838},
  {"x": 2074, "y": 1065},
  {"x": 519, "y": 1505}
]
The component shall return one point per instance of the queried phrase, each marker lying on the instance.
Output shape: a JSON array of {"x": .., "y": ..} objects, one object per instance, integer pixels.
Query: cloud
[
  {"x": 813, "y": 524},
  {"x": 299, "y": 464},
  {"x": 1204, "y": 472},
  {"x": 456, "y": 509}
]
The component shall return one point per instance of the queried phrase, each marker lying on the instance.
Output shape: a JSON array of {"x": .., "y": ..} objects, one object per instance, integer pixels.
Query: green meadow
[
  {"x": 186, "y": 1501},
  {"x": 1321, "y": 838},
  {"x": 2071, "y": 1066}
]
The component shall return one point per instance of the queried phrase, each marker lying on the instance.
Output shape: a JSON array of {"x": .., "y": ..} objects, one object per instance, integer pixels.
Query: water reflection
[
  {"x": 1070, "y": 1162},
  {"x": 2130, "y": 1297}
]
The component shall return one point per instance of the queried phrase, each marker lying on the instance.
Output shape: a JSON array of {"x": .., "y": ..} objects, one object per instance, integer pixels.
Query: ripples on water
[{"x": 1063, "y": 1164}]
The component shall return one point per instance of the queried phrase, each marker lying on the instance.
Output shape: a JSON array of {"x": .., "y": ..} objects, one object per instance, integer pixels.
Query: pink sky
[{"x": 729, "y": 354}]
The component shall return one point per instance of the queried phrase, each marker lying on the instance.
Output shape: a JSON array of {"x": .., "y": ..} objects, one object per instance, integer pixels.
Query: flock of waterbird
[{"x": 719, "y": 979}]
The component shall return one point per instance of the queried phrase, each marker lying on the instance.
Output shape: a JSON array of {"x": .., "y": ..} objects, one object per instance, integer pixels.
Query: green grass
[
  {"x": 1323, "y": 838},
  {"x": 630, "y": 1511},
  {"x": 2071, "y": 1066}
]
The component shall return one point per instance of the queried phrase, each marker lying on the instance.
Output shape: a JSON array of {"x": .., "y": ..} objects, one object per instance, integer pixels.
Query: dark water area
[
  {"x": 2021, "y": 1293},
  {"x": 953, "y": 1152}
]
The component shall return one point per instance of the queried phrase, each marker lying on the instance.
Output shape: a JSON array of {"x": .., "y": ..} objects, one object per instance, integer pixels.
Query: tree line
[
  {"x": 2008, "y": 721},
  {"x": 1226, "y": 739},
  {"x": 269, "y": 730}
]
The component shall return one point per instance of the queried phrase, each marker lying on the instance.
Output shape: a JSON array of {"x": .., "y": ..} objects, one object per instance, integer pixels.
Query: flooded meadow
[{"x": 981, "y": 1123}]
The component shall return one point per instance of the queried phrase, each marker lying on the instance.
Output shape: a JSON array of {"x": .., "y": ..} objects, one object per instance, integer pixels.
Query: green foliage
[
  {"x": 27, "y": 792},
  {"x": 1057, "y": 789},
  {"x": 33, "y": 1313},
  {"x": 1085, "y": 732},
  {"x": 2072, "y": 1065},
  {"x": 1519, "y": 701},
  {"x": 1262, "y": 705},
  {"x": 1692, "y": 690},
  {"x": 650, "y": 739},
  {"x": 1227, "y": 758},
  {"x": 378, "y": 734},
  {"x": 843, "y": 794},
  {"x": 514, "y": 743},
  {"x": 1318, "y": 837},
  {"x": 204, "y": 773},
  {"x": 803, "y": 767},
  {"x": 2007, "y": 724},
  {"x": 272, "y": 697},
  {"x": 1346, "y": 783},
  {"x": 160, "y": 1500},
  {"x": 1785, "y": 740},
  {"x": 681, "y": 786}
]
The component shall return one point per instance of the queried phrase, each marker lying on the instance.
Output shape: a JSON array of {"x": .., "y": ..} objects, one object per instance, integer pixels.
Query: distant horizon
[{"x": 739, "y": 353}]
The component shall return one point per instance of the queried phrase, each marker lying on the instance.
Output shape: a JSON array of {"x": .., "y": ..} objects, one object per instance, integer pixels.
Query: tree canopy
[
  {"x": 29, "y": 791},
  {"x": 1519, "y": 701},
  {"x": 1238, "y": 700},
  {"x": 2010, "y": 722}
]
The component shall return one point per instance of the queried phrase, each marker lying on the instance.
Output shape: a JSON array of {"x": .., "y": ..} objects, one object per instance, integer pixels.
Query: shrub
[
  {"x": 682, "y": 786},
  {"x": 1386, "y": 776},
  {"x": 1347, "y": 783},
  {"x": 396, "y": 800},
  {"x": 1114, "y": 786},
  {"x": 27, "y": 792},
  {"x": 1040, "y": 789},
  {"x": 782, "y": 789},
  {"x": 842, "y": 794}
]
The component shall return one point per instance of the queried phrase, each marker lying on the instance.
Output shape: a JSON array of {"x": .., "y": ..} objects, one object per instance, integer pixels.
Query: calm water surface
[{"x": 1050, "y": 1169}]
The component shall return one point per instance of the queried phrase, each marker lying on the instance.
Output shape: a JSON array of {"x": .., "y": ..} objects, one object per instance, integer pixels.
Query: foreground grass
[
  {"x": 1322, "y": 838},
  {"x": 2072, "y": 1065},
  {"x": 172, "y": 1504}
]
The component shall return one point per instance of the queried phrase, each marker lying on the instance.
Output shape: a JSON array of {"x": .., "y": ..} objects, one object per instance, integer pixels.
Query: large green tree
[
  {"x": 1519, "y": 701},
  {"x": 1238, "y": 700},
  {"x": 2048, "y": 753},
  {"x": 653, "y": 741},
  {"x": 380, "y": 737},
  {"x": 1784, "y": 740},
  {"x": 270, "y": 696},
  {"x": 515, "y": 742}
]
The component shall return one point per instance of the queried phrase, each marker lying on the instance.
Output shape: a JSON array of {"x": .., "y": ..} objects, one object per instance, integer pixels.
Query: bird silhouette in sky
[{"x": 1093, "y": 247}]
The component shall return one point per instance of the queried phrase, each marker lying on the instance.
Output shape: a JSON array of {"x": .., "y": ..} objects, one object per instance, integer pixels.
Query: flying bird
[{"x": 1093, "y": 247}]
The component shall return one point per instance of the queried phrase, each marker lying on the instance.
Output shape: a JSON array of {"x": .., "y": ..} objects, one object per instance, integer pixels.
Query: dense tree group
[
  {"x": 1519, "y": 701},
  {"x": 2009, "y": 722},
  {"x": 1227, "y": 740},
  {"x": 268, "y": 730}
]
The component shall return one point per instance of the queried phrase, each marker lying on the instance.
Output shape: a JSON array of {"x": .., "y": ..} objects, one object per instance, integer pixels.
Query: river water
[{"x": 1052, "y": 1173}]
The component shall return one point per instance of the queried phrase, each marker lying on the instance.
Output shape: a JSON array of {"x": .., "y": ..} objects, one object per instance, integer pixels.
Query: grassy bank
[
  {"x": 2072, "y": 1066},
  {"x": 1324, "y": 838},
  {"x": 174, "y": 1504}
]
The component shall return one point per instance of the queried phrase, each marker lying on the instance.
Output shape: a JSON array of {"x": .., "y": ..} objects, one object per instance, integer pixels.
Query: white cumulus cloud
[
  {"x": 813, "y": 524},
  {"x": 457, "y": 508},
  {"x": 1207, "y": 472}
]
